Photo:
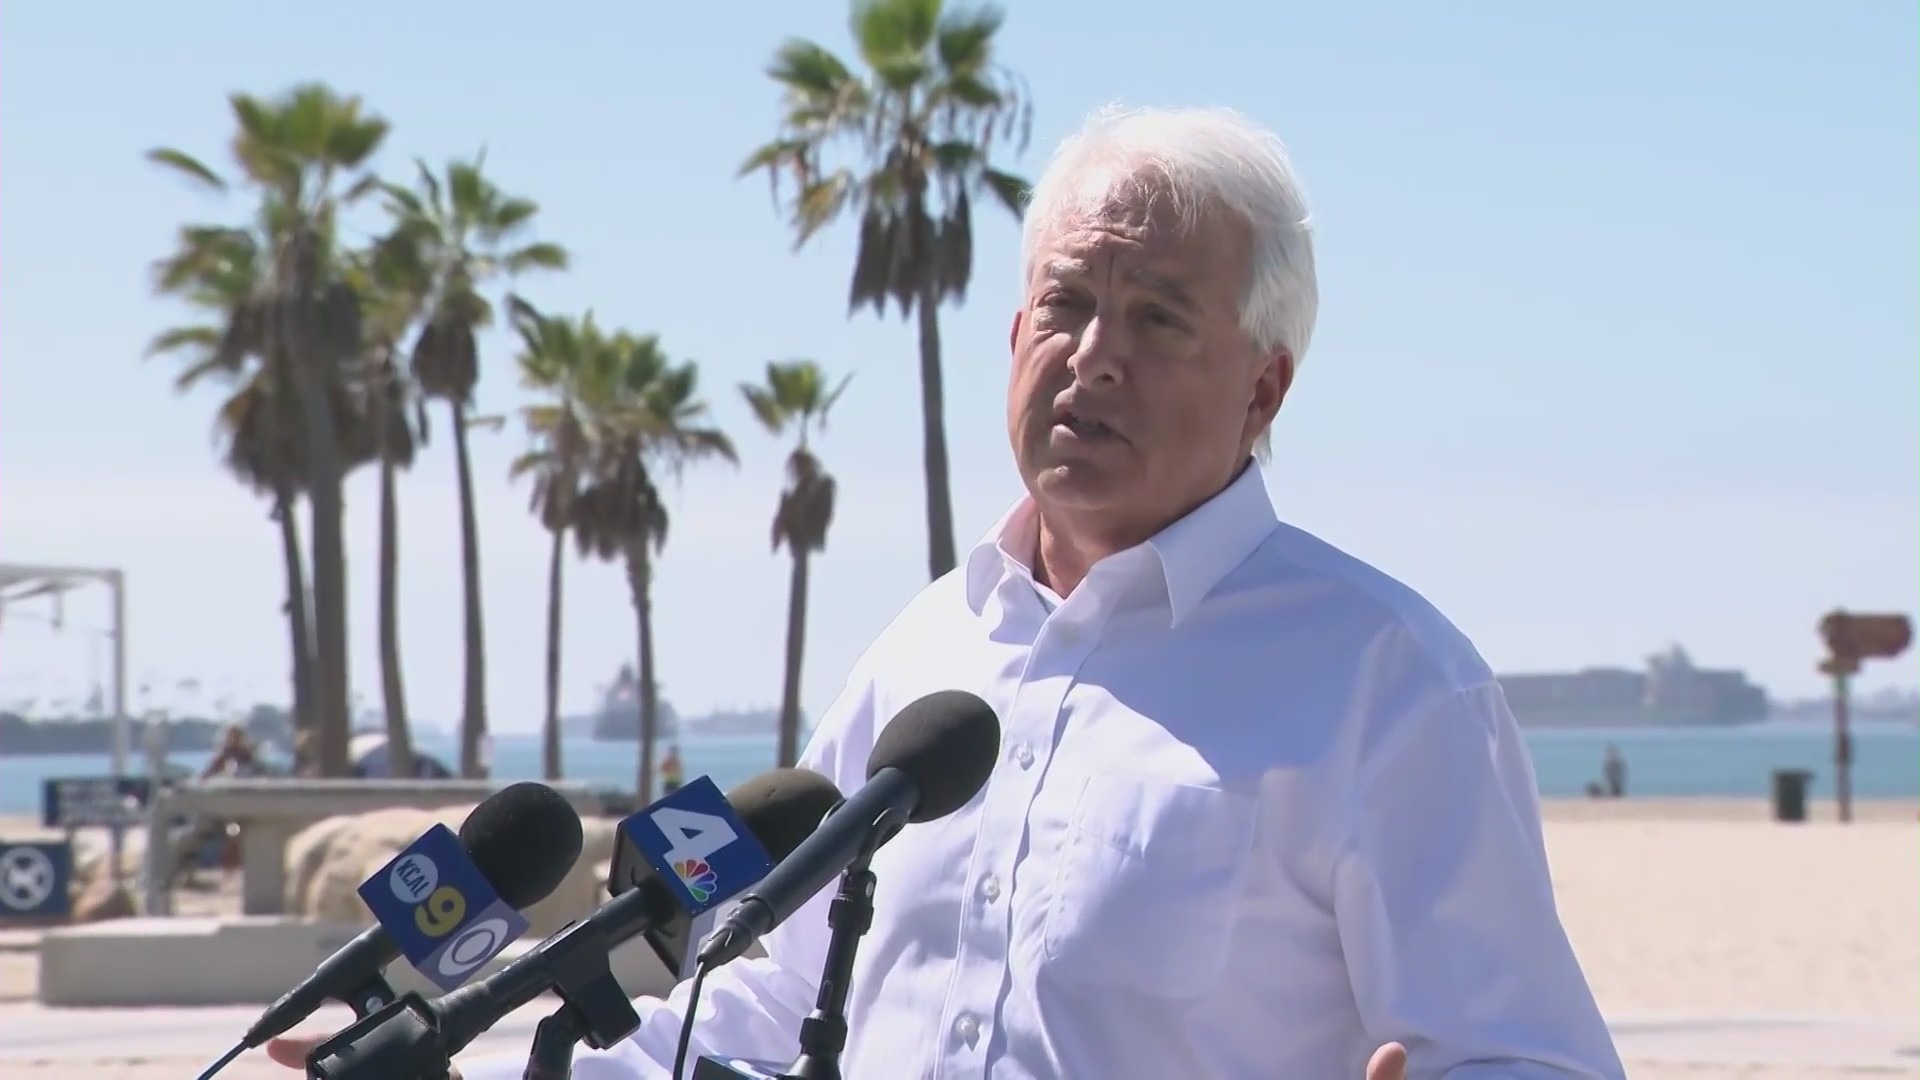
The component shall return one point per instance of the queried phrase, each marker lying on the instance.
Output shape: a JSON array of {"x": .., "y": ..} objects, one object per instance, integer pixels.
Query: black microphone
[
  {"x": 414, "y": 1037},
  {"x": 930, "y": 761},
  {"x": 523, "y": 839}
]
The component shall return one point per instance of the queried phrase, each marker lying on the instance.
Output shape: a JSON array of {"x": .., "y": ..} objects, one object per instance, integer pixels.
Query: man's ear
[
  {"x": 1013, "y": 335},
  {"x": 1270, "y": 389}
]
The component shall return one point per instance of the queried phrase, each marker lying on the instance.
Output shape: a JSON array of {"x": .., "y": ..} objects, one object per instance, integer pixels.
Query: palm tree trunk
[
  {"x": 640, "y": 581},
  {"x": 940, "y": 556},
  {"x": 796, "y": 645},
  {"x": 302, "y": 349},
  {"x": 550, "y": 731},
  {"x": 473, "y": 717},
  {"x": 332, "y": 722},
  {"x": 394, "y": 696},
  {"x": 299, "y": 626}
]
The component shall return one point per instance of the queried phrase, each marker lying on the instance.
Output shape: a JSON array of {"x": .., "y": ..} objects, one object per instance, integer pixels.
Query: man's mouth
[{"x": 1083, "y": 427}]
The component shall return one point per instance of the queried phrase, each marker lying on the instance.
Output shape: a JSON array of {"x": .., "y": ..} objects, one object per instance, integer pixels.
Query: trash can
[{"x": 1790, "y": 794}]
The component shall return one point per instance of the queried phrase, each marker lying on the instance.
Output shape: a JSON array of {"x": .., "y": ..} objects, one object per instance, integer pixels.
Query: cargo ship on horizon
[{"x": 1670, "y": 692}]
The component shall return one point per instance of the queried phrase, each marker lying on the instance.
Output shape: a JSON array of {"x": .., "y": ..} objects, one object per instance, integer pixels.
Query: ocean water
[{"x": 1660, "y": 761}]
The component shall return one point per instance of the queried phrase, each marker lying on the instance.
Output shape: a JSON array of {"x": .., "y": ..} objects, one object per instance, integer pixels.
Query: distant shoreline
[{"x": 47, "y": 738}]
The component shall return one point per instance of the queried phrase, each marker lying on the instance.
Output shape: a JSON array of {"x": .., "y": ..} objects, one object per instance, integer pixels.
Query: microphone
[
  {"x": 413, "y": 1037},
  {"x": 778, "y": 810},
  {"x": 930, "y": 761},
  {"x": 523, "y": 839}
]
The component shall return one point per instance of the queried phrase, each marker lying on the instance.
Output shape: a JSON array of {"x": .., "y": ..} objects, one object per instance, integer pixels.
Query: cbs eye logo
[{"x": 438, "y": 911}]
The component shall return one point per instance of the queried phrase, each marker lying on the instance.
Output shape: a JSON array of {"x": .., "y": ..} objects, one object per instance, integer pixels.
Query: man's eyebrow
[
  {"x": 1169, "y": 287},
  {"x": 1166, "y": 286}
]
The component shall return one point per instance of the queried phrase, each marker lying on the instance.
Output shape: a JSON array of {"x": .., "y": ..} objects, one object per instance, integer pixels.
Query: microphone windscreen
[
  {"x": 946, "y": 743},
  {"x": 782, "y": 807},
  {"x": 523, "y": 839}
]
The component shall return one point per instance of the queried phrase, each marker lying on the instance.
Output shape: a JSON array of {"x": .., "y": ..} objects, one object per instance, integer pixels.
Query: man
[{"x": 1261, "y": 812}]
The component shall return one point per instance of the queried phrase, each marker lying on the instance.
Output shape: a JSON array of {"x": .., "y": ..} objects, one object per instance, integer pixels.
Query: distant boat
[
  {"x": 368, "y": 753},
  {"x": 618, "y": 718},
  {"x": 1671, "y": 692}
]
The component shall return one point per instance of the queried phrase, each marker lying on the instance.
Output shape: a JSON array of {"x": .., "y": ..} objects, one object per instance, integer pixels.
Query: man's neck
[
  {"x": 1066, "y": 552},
  {"x": 1061, "y": 564}
]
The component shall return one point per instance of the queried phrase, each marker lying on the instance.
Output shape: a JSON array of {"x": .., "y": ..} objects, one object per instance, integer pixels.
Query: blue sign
[
  {"x": 35, "y": 880},
  {"x": 698, "y": 845},
  {"x": 443, "y": 914},
  {"x": 73, "y": 802}
]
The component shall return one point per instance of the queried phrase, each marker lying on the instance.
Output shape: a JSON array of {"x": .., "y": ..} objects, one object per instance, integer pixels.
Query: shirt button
[
  {"x": 1023, "y": 754},
  {"x": 990, "y": 888},
  {"x": 967, "y": 1027}
]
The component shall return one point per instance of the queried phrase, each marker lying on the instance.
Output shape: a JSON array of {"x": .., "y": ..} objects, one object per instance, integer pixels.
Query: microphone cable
[
  {"x": 686, "y": 1022},
  {"x": 239, "y": 1049}
]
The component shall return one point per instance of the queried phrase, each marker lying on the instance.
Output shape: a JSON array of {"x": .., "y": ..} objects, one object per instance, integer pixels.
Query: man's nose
[{"x": 1099, "y": 359}]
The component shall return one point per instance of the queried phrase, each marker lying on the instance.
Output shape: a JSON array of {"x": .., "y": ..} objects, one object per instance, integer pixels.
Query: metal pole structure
[
  {"x": 122, "y": 735},
  {"x": 1842, "y": 746},
  {"x": 117, "y": 581}
]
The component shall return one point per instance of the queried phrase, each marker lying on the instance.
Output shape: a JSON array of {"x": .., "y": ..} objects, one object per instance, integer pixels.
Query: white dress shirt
[{"x": 1260, "y": 809}]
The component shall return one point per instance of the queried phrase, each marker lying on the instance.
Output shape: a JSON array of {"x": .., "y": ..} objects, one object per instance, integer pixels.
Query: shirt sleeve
[
  {"x": 1446, "y": 911},
  {"x": 752, "y": 1007}
]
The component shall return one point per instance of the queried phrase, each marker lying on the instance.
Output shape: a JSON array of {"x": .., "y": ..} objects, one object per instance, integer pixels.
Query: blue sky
[{"x": 1617, "y": 343}]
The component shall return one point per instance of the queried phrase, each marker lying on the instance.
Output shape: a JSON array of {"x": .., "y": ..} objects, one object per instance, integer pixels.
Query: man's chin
[{"x": 1078, "y": 484}]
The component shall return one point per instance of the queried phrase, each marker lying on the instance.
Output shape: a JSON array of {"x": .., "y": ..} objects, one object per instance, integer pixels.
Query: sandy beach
[{"x": 1721, "y": 945}]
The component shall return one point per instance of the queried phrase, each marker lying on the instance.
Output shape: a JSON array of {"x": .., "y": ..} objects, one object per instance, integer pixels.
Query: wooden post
[
  {"x": 1850, "y": 639},
  {"x": 1842, "y": 747}
]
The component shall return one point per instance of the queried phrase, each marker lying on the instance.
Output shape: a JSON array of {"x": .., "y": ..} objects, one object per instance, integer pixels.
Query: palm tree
[
  {"x": 555, "y": 358},
  {"x": 216, "y": 270},
  {"x": 467, "y": 232},
  {"x": 303, "y": 323},
  {"x": 796, "y": 396},
  {"x": 258, "y": 424},
  {"x": 925, "y": 117},
  {"x": 646, "y": 416},
  {"x": 389, "y": 276}
]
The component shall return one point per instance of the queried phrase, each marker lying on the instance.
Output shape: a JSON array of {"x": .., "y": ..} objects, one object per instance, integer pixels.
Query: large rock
[
  {"x": 327, "y": 861},
  {"x": 100, "y": 900},
  {"x": 93, "y": 860},
  {"x": 307, "y": 852}
]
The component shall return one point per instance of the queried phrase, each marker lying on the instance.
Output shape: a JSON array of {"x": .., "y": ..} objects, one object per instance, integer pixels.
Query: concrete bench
[
  {"x": 270, "y": 811},
  {"x": 243, "y": 961}
]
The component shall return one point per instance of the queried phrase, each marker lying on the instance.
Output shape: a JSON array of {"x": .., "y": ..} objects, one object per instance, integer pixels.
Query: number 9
[{"x": 439, "y": 913}]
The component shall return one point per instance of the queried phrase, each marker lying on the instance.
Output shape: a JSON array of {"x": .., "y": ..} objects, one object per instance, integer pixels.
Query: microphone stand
[
  {"x": 553, "y": 1041},
  {"x": 415, "y": 1040},
  {"x": 823, "y": 1034},
  {"x": 594, "y": 1009}
]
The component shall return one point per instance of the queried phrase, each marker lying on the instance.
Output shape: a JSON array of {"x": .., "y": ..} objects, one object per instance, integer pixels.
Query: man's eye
[{"x": 1159, "y": 316}]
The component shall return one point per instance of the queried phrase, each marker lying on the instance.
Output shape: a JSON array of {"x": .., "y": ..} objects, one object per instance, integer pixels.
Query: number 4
[{"x": 692, "y": 835}]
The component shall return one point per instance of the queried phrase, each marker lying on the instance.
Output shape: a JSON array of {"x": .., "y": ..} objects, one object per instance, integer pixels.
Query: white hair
[{"x": 1198, "y": 160}]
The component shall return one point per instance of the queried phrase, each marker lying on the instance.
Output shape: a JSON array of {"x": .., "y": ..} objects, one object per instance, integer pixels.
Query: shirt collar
[{"x": 1194, "y": 553}]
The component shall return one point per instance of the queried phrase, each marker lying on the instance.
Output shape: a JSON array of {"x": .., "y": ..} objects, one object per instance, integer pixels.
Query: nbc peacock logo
[{"x": 698, "y": 877}]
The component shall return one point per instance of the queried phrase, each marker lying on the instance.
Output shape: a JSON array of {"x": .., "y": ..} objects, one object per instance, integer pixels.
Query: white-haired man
[{"x": 1261, "y": 811}]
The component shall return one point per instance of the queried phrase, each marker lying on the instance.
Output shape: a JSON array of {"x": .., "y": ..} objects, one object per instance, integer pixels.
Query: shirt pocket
[{"x": 1145, "y": 887}]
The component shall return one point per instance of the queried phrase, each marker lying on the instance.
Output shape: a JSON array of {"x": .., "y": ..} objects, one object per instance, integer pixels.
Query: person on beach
[
  {"x": 1261, "y": 811},
  {"x": 672, "y": 773},
  {"x": 236, "y": 757},
  {"x": 1614, "y": 769}
]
